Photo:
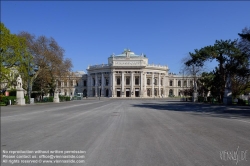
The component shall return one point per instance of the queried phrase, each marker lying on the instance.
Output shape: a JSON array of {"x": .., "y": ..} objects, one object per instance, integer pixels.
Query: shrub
[
  {"x": 200, "y": 99},
  {"x": 48, "y": 99},
  {"x": 6, "y": 100},
  {"x": 64, "y": 98},
  {"x": 26, "y": 99}
]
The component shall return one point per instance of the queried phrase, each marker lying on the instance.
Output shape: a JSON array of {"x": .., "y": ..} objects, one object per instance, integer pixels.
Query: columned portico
[{"x": 130, "y": 75}]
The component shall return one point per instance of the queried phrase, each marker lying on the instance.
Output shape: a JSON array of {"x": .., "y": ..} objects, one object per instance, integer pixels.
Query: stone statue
[{"x": 19, "y": 82}]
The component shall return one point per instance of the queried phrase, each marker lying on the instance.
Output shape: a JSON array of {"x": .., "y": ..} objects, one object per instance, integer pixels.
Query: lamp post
[
  {"x": 31, "y": 73},
  {"x": 99, "y": 91},
  {"x": 154, "y": 88}
]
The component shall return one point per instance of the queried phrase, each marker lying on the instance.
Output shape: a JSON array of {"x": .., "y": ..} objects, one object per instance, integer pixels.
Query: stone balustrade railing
[
  {"x": 98, "y": 66},
  {"x": 159, "y": 66}
]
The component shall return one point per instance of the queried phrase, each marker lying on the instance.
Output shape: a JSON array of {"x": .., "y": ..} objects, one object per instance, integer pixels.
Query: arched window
[
  {"x": 118, "y": 81},
  {"x": 155, "y": 92},
  {"x": 84, "y": 83},
  {"x": 59, "y": 83},
  {"x": 155, "y": 81},
  {"x": 179, "y": 83},
  {"x": 170, "y": 83},
  {"x": 93, "y": 82},
  {"x": 191, "y": 83},
  {"x": 148, "y": 81},
  {"x": 171, "y": 92},
  {"x": 185, "y": 83},
  {"x": 148, "y": 92},
  {"x": 161, "y": 82}
]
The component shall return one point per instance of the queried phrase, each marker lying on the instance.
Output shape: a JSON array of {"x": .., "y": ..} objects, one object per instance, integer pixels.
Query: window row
[
  {"x": 100, "y": 82},
  {"x": 179, "y": 83},
  {"x": 155, "y": 81}
]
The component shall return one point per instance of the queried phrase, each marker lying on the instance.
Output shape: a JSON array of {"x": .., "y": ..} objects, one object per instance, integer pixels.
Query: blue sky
[{"x": 164, "y": 30}]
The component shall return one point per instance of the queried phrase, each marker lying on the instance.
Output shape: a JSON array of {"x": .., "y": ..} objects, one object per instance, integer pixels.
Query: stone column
[
  {"x": 102, "y": 85},
  {"x": 122, "y": 82},
  {"x": 113, "y": 84},
  {"x": 153, "y": 83},
  {"x": 159, "y": 84},
  {"x": 96, "y": 85},
  {"x": 132, "y": 84},
  {"x": 141, "y": 85}
]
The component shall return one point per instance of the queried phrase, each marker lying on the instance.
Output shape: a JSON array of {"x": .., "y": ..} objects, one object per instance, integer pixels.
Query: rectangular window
[
  {"x": 107, "y": 82},
  {"x": 136, "y": 80},
  {"x": 118, "y": 82},
  {"x": 127, "y": 81}
]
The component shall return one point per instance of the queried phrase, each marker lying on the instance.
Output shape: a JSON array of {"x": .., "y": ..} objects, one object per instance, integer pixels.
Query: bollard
[{"x": 10, "y": 102}]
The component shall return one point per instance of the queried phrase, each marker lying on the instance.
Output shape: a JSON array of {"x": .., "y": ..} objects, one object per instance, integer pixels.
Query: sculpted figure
[{"x": 19, "y": 82}]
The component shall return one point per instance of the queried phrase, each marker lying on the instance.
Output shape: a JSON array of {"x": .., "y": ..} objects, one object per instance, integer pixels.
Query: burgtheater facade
[{"x": 130, "y": 75}]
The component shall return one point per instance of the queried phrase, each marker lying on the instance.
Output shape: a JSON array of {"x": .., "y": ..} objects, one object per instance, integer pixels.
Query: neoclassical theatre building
[{"x": 130, "y": 75}]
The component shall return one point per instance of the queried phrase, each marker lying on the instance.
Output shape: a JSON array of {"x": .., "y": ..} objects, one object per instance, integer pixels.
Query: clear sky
[{"x": 166, "y": 31}]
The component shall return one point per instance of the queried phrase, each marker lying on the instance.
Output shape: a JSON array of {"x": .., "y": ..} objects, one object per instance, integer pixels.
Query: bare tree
[{"x": 48, "y": 56}]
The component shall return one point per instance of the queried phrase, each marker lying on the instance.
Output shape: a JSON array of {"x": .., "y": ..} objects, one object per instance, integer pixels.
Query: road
[{"x": 126, "y": 133}]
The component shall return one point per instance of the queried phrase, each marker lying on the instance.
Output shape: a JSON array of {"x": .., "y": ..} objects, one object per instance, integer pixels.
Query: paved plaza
[{"x": 116, "y": 132}]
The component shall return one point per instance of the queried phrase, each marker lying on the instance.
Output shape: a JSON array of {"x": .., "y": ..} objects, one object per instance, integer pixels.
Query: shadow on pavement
[{"x": 199, "y": 109}]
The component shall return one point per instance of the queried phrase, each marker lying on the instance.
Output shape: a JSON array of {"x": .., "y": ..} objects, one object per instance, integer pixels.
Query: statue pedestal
[
  {"x": 227, "y": 99},
  {"x": 56, "y": 98},
  {"x": 20, "y": 96},
  {"x": 195, "y": 99}
]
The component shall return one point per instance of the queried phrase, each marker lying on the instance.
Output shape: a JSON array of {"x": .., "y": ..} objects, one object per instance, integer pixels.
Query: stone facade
[{"x": 130, "y": 75}]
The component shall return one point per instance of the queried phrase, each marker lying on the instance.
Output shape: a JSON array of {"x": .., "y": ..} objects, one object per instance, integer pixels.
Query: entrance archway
[
  {"x": 127, "y": 92},
  {"x": 84, "y": 93},
  {"x": 137, "y": 93},
  {"x": 118, "y": 93},
  {"x": 107, "y": 92}
]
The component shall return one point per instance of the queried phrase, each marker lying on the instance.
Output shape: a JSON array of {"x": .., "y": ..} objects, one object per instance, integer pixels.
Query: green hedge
[
  {"x": 64, "y": 98},
  {"x": 5, "y": 100},
  {"x": 242, "y": 102},
  {"x": 48, "y": 99}
]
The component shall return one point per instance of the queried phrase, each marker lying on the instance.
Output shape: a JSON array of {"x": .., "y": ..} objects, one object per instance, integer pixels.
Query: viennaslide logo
[{"x": 234, "y": 155}]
